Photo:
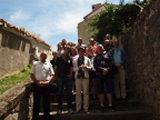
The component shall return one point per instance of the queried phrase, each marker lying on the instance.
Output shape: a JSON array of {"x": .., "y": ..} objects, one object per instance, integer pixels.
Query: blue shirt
[{"x": 117, "y": 56}]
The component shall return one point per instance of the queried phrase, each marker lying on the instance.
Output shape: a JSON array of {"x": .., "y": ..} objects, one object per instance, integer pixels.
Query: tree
[{"x": 116, "y": 19}]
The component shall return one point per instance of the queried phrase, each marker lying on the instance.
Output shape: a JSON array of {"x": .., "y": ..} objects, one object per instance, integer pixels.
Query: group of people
[{"x": 96, "y": 70}]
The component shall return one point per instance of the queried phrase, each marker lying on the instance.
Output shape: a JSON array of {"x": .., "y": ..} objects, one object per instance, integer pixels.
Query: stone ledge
[{"x": 12, "y": 97}]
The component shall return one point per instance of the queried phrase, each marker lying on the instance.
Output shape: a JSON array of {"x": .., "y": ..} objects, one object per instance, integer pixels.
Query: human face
[
  {"x": 106, "y": 42},
  {"x": 99, "y": 50},
  {"x": 43, "y": 57},
  {"x": 107, "y": 36},
  {"x": 74, "y": 51},
  {"x": 116, "y": 43},
  {"x": 81, "y": 52},
  {"x": 80, "y": 41}
]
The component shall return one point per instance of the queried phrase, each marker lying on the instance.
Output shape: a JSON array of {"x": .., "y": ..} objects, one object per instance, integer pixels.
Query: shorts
[{"x": 104, "y": 84}]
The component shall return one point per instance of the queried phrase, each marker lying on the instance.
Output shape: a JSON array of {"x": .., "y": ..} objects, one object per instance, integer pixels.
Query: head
[
  {"x": 74, "y": 51},
  {"x": 43, "y": 57},
  {"x": 80, "y": 41},
  {"x": 106, "y": 43},
  {"x": 66, "y": 51},
  {"x": 63, "y": 42},
  {"x": 59, "y": 46},
  {"x": 54, "y": 54},
  {"x": 69, "y": 44},
  {"x": 81, "y": 51},
  {"x": 100, "y": 49},
  {"x": 107, "y": 36},
  {"x": 116, "y": 43},
  {"x": 92, "y": 41}
]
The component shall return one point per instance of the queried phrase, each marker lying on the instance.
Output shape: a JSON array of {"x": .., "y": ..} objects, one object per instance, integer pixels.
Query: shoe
[
  {"x": 124, "y": 99},
  {"x": 59, "y": 111},
  {"x": 111, "y": 108},
  {"x": 87, "y": 112},
  {"x": 101, "y": 108},
  {"x": 78, "y": 111},
  {"x": 70, "y": 111}
]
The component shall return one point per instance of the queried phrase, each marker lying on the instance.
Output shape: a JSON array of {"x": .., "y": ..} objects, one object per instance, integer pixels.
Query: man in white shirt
[{"x": 42, "y": 73}]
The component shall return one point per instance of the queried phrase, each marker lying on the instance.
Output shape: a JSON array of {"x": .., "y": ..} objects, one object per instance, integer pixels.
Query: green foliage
[
  {"x": 10, "y": 81},
  {"x": 142, "y": 4},
  {"x": 116, "y": 19}
]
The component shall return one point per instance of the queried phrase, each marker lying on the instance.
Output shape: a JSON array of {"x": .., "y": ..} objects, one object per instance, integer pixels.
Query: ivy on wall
[{"x": 117, "y": 19}]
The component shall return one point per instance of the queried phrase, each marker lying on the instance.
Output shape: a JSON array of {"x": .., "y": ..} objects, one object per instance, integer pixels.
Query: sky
[{"x": 52, "y": 20}]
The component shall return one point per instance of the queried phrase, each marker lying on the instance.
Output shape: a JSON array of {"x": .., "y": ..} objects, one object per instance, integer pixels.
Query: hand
[
  {"x": 70, "y": 75},
  {"x": 117, "y": 65},
  {"x": 83, "y": 66},
  {"x": 52, "y": 81},
  {"x": 105, "y": 71},
  {"x": 43, "y": 83}
]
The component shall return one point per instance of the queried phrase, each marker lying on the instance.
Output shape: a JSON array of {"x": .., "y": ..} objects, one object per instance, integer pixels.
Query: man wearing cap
[{"x": 42, "y": 73}]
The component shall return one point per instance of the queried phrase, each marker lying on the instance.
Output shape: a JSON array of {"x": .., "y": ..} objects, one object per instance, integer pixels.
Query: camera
[{"x": 80, "y": 73}]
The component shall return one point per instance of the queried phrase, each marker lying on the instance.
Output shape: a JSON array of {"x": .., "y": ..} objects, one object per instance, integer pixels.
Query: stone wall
[
  {"x": 15, "y": 51},
  {"x": 143, "y": 50},
  {"x": 16, "y": 103},
  {"x": 84, "y": 30}
]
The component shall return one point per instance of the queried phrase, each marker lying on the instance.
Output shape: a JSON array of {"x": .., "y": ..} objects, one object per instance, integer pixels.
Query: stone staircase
[{"x": 130, "y": 109}]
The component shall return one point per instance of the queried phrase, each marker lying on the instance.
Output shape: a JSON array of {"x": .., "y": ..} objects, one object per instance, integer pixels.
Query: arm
[
  {"x": 71, "y": 69},
  {"x": 51, "y": 77},
  {"x": 33, "y": 78},
  {"x": 75, "y": 66},
  {"x": 87, "y": 64}
]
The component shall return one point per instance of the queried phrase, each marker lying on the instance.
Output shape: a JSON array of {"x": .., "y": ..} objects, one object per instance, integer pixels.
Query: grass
[{"x": 10, "y": 81}]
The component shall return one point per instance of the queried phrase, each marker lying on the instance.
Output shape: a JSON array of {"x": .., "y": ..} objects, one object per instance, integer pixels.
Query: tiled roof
[
  {"x": 25, "y": 33},
  {"x": 95, "y": 7}
]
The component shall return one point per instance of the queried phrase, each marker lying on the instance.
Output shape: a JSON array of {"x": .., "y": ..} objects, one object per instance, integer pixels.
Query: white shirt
[
  {"x": 86, "y": 62},
  {"x": 42, "y": 71}
]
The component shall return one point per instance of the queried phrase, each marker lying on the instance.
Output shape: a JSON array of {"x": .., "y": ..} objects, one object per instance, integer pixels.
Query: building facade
[{"x": 84, "y": 30}]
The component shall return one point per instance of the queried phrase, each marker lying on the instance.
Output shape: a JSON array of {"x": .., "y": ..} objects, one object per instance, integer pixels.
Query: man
[
  {"x": 42, "y": 73},
  {"x": 54, "y": 59},
  {"x": 119, "y": 58},
  {"x": 93, "y": 45},
  {"x": 81, "y": 67},
  {"x": 80, "y": 43},
  {"x": 53, "y": 85},
  {"x": 64, "y": 73},
  {"x": 107, "y": 42},
  {"x": 107, "y": 37}
]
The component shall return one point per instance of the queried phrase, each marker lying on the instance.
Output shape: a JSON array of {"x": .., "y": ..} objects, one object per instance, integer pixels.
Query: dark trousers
[
  {"x": 65, "y": 83},
  {"x": 38, "y": 94}
]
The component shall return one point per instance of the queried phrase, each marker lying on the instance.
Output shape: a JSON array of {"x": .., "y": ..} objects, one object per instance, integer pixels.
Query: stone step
[
  {"x": 94, "y": 104},
  {"x": 130, "y": 109},
  {"x": 109, "y": 115}
]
